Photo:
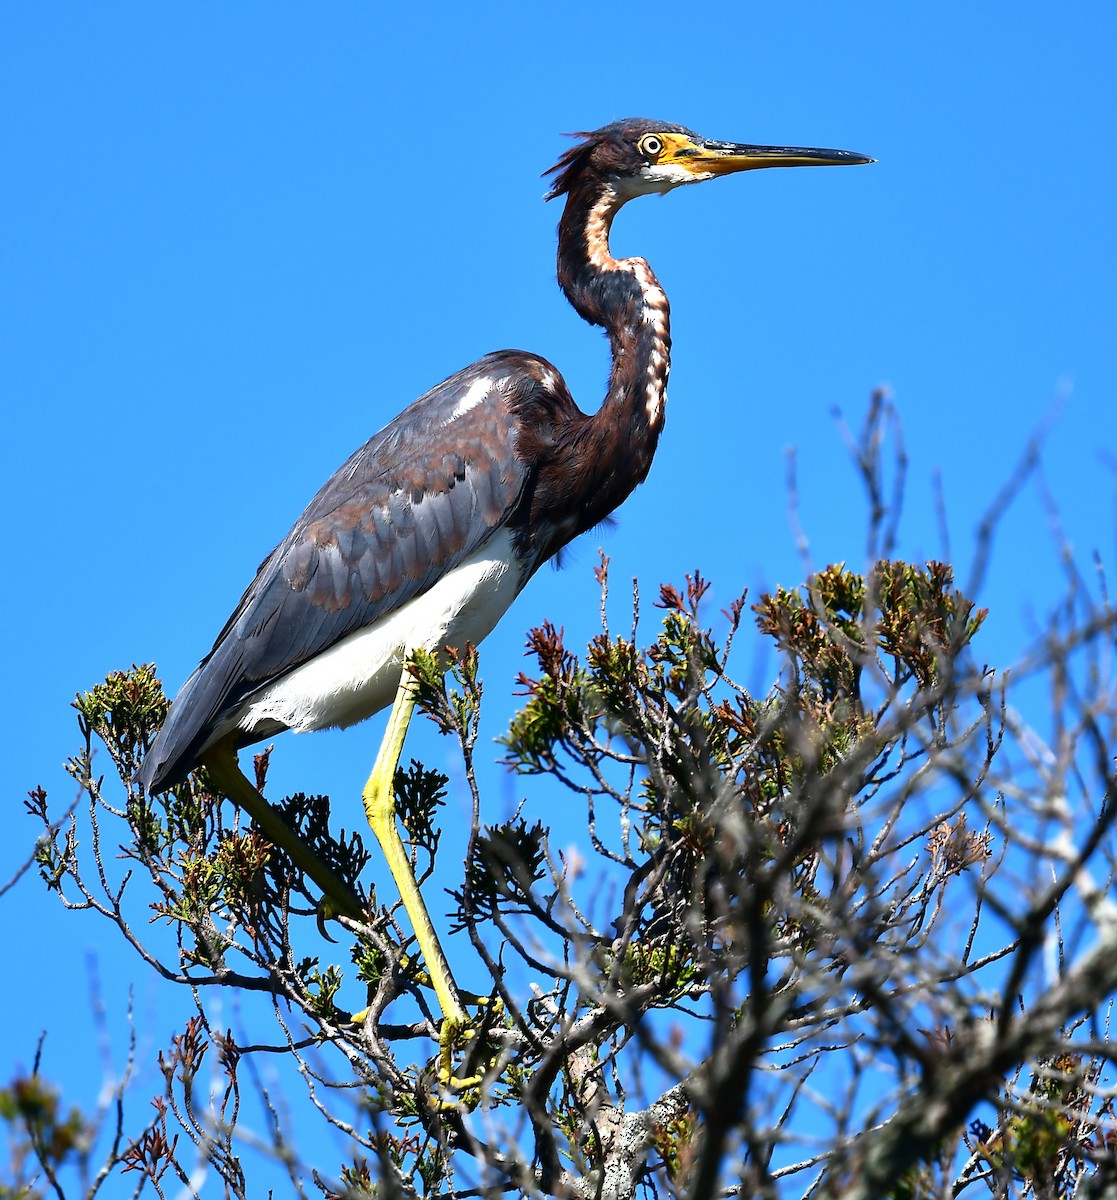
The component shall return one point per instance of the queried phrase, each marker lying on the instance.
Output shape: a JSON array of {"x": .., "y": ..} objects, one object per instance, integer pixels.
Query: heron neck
[{"x": 625, "y": 298}]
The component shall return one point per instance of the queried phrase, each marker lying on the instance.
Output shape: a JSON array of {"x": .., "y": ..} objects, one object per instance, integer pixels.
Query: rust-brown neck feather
[{"x": 598, "y": 460}]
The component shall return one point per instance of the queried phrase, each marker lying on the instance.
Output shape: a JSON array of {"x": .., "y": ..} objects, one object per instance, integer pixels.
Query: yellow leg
[
  {"x": 380, "y": 808},
  {"x": 224, "y": 771}
]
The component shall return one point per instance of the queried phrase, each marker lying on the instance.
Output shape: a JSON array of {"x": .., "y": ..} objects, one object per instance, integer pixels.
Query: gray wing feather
[{"x": 418, "y": 498}]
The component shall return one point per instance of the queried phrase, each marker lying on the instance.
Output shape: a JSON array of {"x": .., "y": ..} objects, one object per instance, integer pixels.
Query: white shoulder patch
[{"x": 475, "y": 393}]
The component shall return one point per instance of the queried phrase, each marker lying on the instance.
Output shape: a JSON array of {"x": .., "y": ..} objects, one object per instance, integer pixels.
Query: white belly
[{"x": 359, "y": 676}]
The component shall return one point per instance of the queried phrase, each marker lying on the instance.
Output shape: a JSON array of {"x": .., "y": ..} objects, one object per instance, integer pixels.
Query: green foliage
[
  {"x": 698, "y": 736},
  {"x": 674, "y": 1142},
  {"x": 507, "y": 862},
  {"x": 419, "y": 795},
  {"x": 669, "y": 967},
  {"x": 124, "y": 712},
  {"x": 453, "y": 709},
  {"x": 772, "y": 873},
  {"x": 559, "y": 700},
  {"x": 309, "y": 816},
  {"x": 321, "y": 986},
  {"x": 357, "y": 1180},
  {"x": 1051, "y": 1137},
  {"x": 42, "y": 1137},
  {"x": 911, "y": 614},
  {"x": 370, "y": 960}
]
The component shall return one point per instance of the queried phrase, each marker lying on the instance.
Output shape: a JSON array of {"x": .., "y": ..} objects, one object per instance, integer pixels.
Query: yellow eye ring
[{"x": 650, "y": 145}]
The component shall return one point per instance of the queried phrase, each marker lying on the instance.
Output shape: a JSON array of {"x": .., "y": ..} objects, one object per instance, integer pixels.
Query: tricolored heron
[{"x": 423, "y": 538}]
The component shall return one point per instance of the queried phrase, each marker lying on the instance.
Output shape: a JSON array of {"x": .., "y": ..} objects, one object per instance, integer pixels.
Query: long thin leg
[
  {"x": 225, "y": 772},
  {"x": 380, "y": 808}
]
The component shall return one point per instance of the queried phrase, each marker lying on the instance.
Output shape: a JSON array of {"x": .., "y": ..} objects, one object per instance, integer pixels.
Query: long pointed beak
[{"x": 725, "y": 158}]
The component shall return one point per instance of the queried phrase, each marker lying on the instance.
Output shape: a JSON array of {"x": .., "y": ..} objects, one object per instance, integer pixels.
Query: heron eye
[{"x": 651, "y": 146}]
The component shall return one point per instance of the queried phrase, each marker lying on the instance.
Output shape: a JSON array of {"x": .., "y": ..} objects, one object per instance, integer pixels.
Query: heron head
[{"x": 637, "y": 156}]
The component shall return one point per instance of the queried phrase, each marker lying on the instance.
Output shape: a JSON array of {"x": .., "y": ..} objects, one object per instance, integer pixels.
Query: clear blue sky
[{"x": 238, "y": 238}]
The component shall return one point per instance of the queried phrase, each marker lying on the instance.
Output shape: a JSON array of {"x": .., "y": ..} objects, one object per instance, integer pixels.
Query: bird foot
[{"x": 482, "y": 1055}]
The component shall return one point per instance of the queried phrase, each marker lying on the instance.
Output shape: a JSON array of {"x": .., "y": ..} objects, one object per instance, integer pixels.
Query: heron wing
[{"x": 418, "y": 498}]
